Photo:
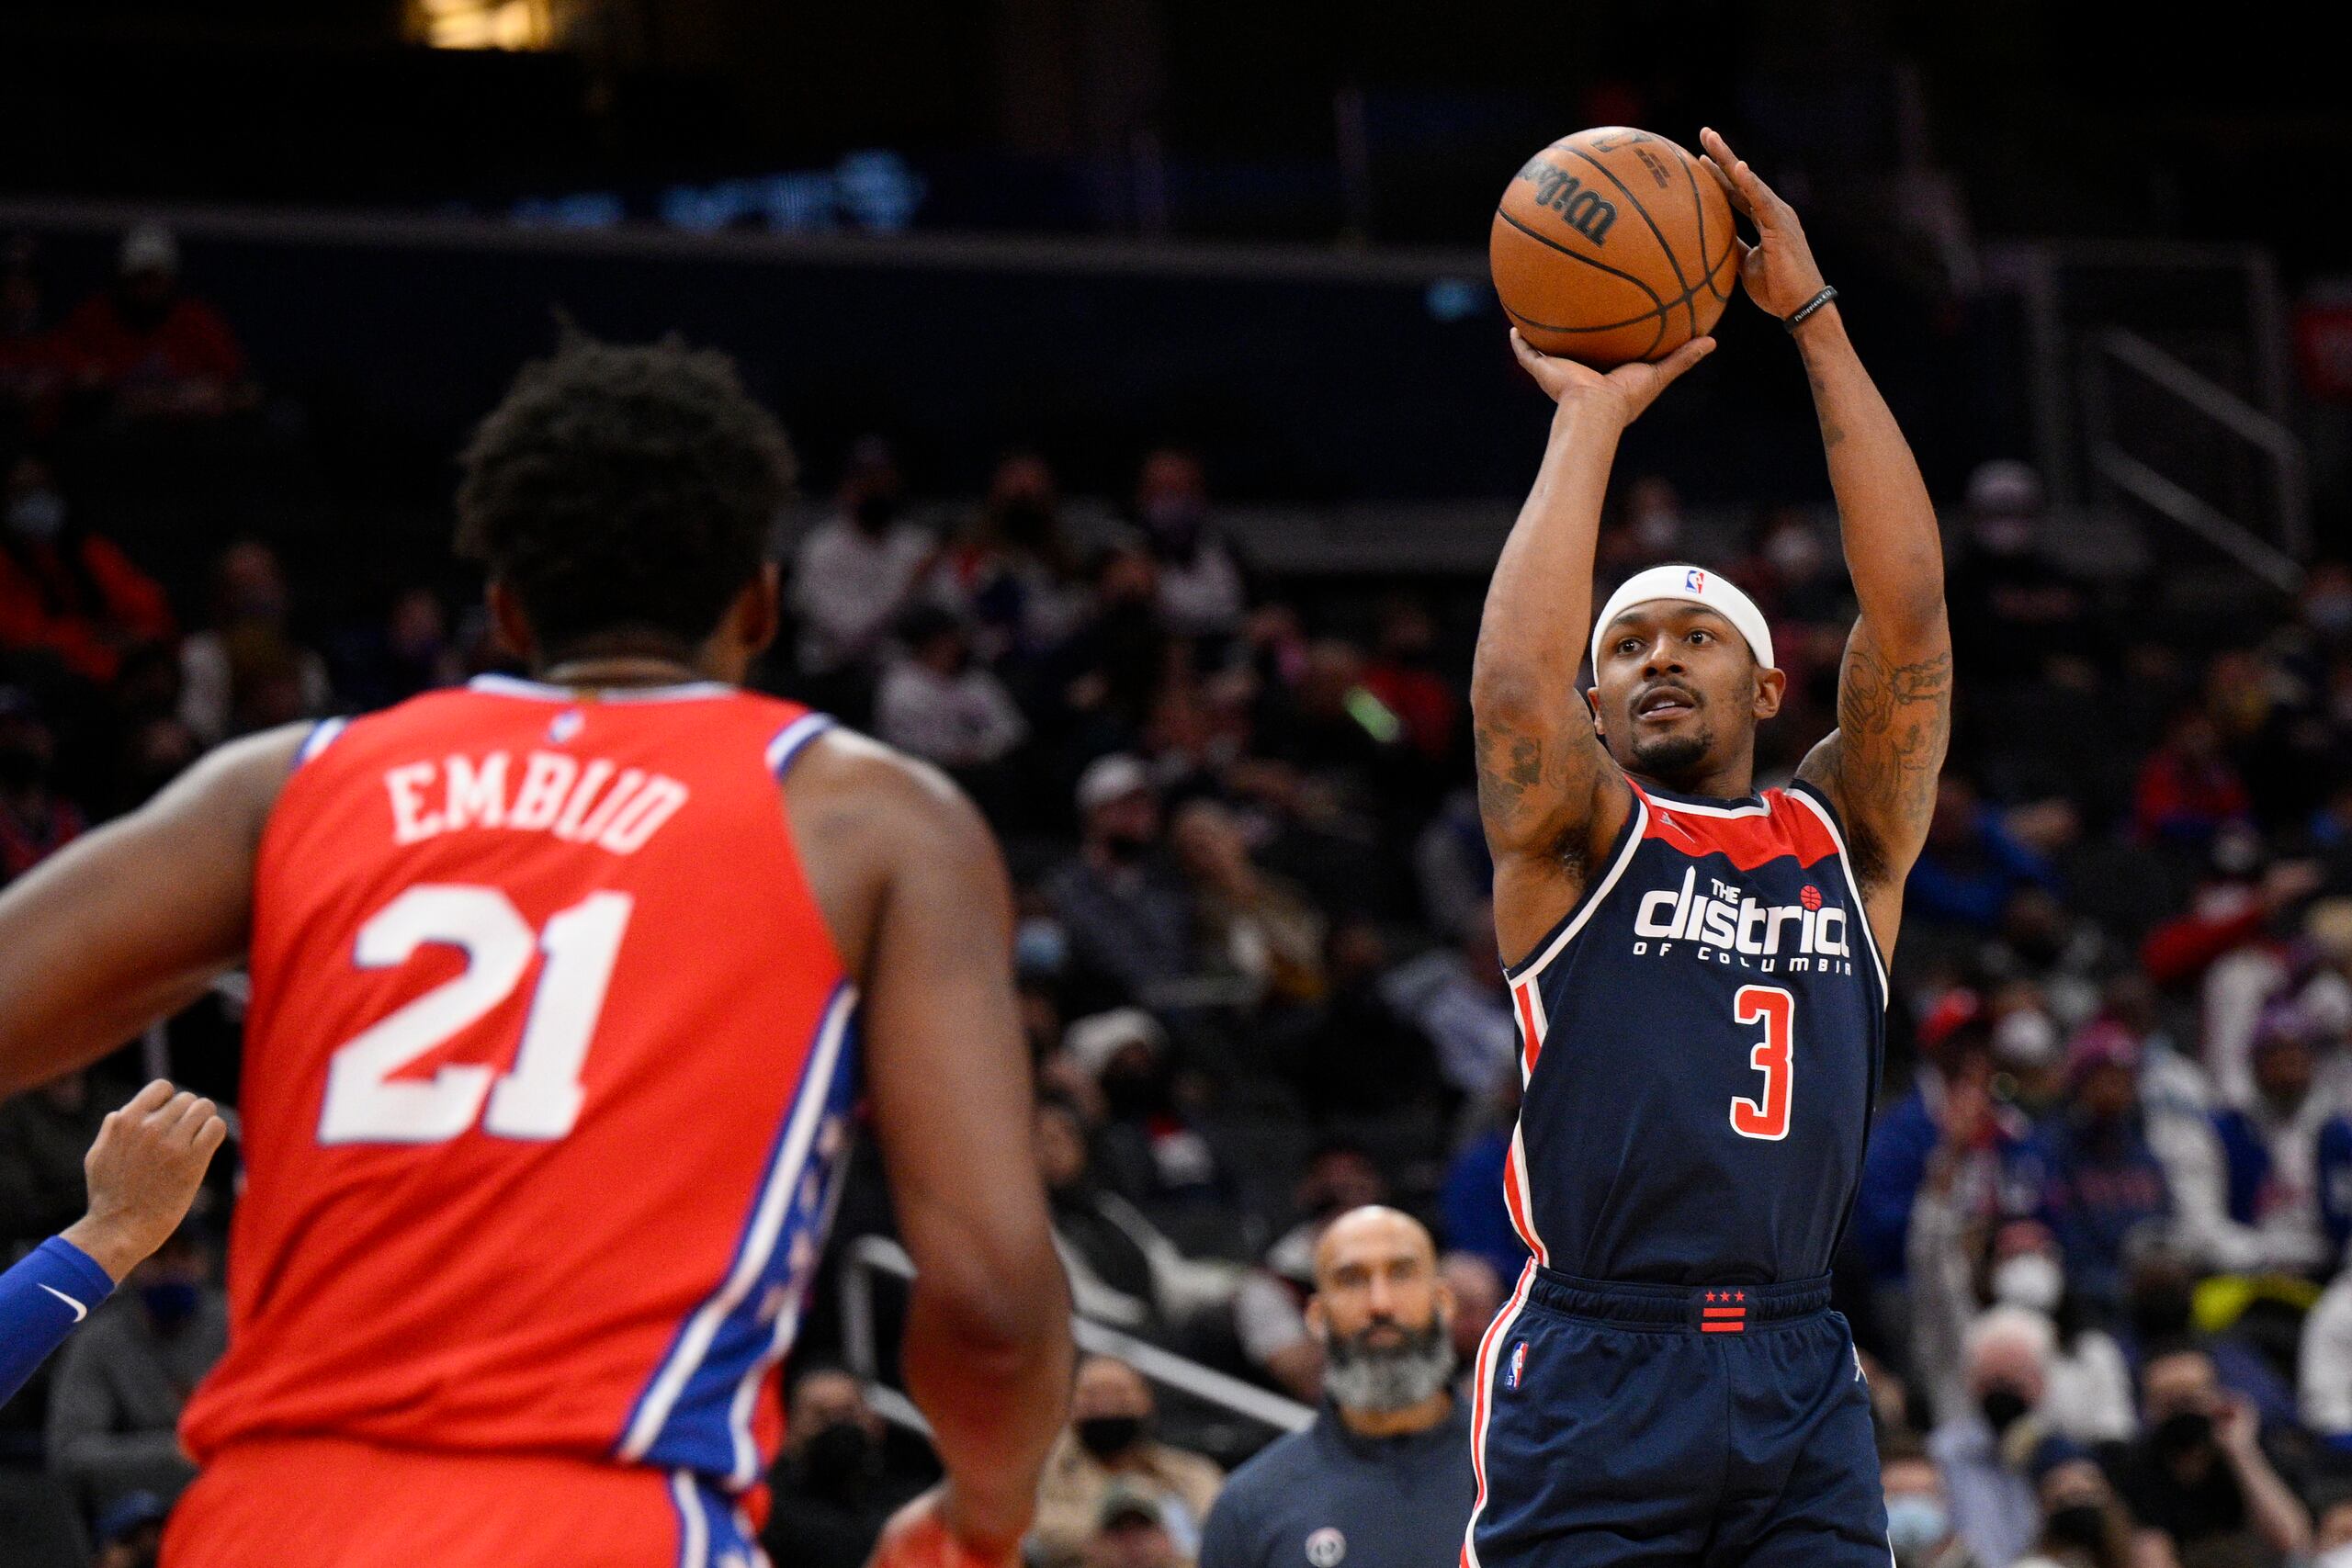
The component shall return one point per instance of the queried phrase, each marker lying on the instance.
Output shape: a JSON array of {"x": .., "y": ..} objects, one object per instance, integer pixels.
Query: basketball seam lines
[
  {"x": 1661, "y": 309},
  {"x": 1700, "y": 203},
  {"x": 1656, "y": 233},
  {"x": 1588, "y": 261}
]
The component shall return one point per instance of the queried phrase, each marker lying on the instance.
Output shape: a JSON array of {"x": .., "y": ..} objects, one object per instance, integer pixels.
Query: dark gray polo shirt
[{"x": 1327, "y": 1498}]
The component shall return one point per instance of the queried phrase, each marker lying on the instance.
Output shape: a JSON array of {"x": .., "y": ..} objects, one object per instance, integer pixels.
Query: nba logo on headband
[{"x": 1694, "y": 580}]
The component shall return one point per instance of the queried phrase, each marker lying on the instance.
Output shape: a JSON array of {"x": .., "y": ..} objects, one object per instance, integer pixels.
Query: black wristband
[{"x": 1797, "y": 320}]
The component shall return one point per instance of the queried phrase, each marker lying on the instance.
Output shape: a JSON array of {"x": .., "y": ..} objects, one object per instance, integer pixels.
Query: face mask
[
  {"x": 2026, "y": 1038},
  {"x": 169, "y": 1304},
  {"x": 38, "y": 514},
  {"x": 1914, "y": 1526},
  {"x": 2003, "y": 1407},
  {"x": 836, "y": 1458},
  {"x": 2030, "y": 1280},
  {"x": 1108, "y": 1437},
  {"x": 2182, "y": 1434},
  {"x": 875, "y": 512},
  {"x": 2079, "y": 1524}
]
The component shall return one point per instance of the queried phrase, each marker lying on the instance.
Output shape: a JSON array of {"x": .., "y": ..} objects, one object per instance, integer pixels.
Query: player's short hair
[{"x": 624, "y": 491}]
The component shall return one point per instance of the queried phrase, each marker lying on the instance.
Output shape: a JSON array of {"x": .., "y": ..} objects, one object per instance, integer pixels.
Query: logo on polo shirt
[{"x": 1325, "y": 1548}]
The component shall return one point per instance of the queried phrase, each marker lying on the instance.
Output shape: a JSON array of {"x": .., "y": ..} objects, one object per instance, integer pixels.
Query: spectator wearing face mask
[
  {"x": 833, "y": 1488},
  {"x": 1129, "y": 917},
  {"x": 2087, "y": 1383},
  {"x": 858, "y": 570},
  {"x": 1130, "y": 1531},
  {"x": 1918, "y": 1519},
  {"x": 246, "y": 671},
  {"x": 114, "y": 1408},
  {"x": 935, "y": 702},
  {"x": 67, "y": 593},
  {"x": 1382, "y": 1479},
  {"x": 1013, "y": 574},
  {"x": 2083, "y": 1525},
  {"x": 2271, "y": 1145},
  {"x": 1110, "y": 1443},
  {"x": 1203, "y": 590},
  {"x": 2199, "y": 1474},
  {"x": 1980, "y": 1445},
  {"x": 2100, "y": 1181}
]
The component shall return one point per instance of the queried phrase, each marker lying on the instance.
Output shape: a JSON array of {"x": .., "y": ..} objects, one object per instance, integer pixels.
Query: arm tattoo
[
  {"x": 1893, "y": 721},
  {"x": 1515, "y": 797}
]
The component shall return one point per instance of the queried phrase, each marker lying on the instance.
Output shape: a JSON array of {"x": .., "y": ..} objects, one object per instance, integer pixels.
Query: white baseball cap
[{"x": 1693, "y": 585}]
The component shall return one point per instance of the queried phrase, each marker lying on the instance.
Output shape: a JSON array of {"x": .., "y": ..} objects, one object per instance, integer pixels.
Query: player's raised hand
[
  {"x": 1627, "y": 389},
  {"x": 142, "y": 1172},
  {"x": 1778, "y": 270}
]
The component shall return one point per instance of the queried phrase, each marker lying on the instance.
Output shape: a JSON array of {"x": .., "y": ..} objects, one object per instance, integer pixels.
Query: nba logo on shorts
[
  {"x": 1694, "y": 582},
  {"x": 1518, "y": 1361}
]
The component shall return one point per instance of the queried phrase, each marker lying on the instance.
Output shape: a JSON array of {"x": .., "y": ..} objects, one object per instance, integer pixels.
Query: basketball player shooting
[
  {"x": 564, "y": 992},
  {"x": 1699, "y": 970}
]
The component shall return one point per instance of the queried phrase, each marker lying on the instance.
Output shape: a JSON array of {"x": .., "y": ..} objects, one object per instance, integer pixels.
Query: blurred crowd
[{"x": 2096, "y": 1264}]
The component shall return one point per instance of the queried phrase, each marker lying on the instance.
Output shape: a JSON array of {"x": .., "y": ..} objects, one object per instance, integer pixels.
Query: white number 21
[{"x": 539, "y": 1098}]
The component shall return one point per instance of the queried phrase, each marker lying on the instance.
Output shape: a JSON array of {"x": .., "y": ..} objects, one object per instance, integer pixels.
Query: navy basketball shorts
[{"x": 1672, "y": 1428}]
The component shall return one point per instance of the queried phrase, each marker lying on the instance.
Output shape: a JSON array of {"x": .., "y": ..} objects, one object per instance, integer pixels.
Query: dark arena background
[{"x": 1152, "y": 403}]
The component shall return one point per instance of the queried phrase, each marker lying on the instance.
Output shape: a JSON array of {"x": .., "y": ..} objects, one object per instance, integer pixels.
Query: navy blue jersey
[{"x": 1700, "y": 1044}]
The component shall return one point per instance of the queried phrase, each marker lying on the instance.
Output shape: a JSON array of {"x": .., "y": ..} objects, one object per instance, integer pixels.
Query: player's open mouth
[{"x": 1666, "y": 704}]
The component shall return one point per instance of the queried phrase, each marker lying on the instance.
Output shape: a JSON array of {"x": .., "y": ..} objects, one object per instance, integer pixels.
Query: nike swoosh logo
[{"x": 80, "y": 1312}]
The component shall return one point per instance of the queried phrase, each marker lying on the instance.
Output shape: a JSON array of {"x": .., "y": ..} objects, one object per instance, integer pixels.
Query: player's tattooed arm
[
  {"x": 1548, "y": 793},
  {"x": 1882, "y": 762}
]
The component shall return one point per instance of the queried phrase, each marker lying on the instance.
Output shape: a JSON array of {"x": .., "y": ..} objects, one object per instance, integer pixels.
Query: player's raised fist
[
  {"x": 1778, "y": 271},
  {"x": 142, "y": 1172}
]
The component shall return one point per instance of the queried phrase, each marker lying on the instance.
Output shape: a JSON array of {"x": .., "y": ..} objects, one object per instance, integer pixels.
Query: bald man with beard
[{"x": 1382, "y": 1479}]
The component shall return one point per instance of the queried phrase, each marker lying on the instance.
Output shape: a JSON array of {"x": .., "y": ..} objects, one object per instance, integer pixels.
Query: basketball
[{"x": 1612, "y": 244}]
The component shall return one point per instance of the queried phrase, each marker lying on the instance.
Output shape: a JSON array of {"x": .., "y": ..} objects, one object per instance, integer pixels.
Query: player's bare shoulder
[{"x": 865, "y": 816}]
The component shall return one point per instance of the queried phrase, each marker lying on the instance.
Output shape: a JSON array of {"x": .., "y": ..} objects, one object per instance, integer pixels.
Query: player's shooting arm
[
  {"x": 1895, "y": 691},
  {"x": 987, "y": 1351},
  {"x": 1548, "y": 793},
  {"x": 130, "y": 924}
]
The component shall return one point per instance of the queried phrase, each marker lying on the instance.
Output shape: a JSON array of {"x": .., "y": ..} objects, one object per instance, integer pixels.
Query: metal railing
[
  {"x": 2217, "y": 406},
  {"x": 866, "y": 1257}
]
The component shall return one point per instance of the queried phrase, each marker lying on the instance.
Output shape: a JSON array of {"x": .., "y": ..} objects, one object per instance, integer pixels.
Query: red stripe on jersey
[
  {"x": 1783, "y": 828},
  {"x": 1723, "y": 1327},
  {"x": 1531, "y": 1043},
  {"x": 1515, "y": 1201}
]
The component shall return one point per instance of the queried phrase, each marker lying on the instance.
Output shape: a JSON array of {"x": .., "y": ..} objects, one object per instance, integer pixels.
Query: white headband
[{"x": 1693, "y": 585}]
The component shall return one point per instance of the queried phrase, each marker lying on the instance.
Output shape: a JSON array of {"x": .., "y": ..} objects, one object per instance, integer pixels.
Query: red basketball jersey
[{"x": 546, "y": 1082}]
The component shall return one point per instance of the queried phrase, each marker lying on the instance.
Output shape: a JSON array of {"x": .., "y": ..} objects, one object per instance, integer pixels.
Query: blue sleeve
[
  {"x": 2335, "y": 1181},
  {"x": 42, "y": 1299},
  {"x": 1897, "y": 1162},
  {"x": 2246, "y": 1159}
]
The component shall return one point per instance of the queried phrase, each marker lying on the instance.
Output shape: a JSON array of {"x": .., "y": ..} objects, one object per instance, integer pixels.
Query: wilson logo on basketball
[{"x": 1582, "y": 209}]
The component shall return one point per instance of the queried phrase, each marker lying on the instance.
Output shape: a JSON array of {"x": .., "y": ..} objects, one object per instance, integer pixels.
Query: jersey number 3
[
  {"x": 538, "y": 1097},
  {"x": 1767, "y": 1116}
]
